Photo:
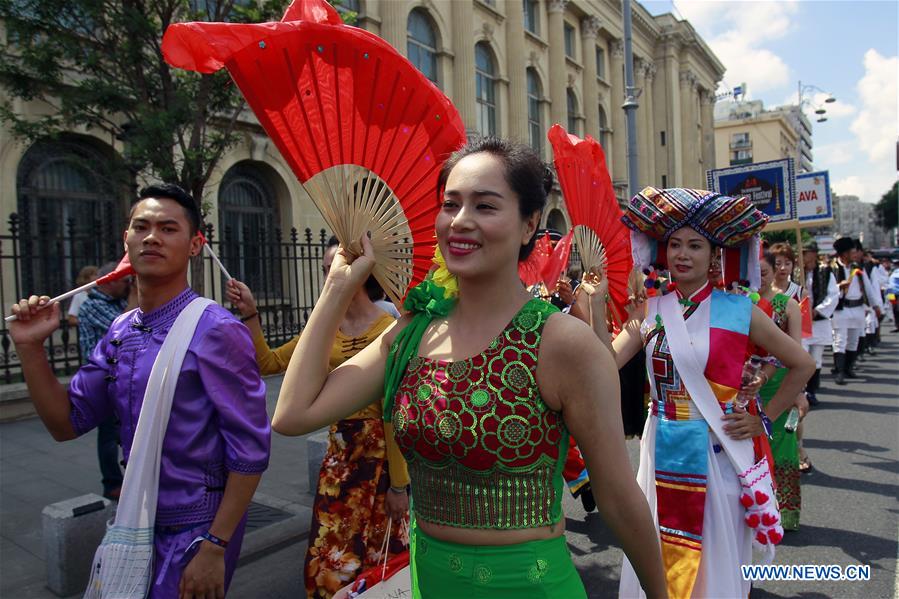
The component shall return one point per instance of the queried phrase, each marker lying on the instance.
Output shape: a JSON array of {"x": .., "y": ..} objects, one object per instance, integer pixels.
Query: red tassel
[
  {"x": 762, "y": 538},
  {"x": 775, "y": 537},
  {"x": 746, "y": 500},
  {"x": 760, "y": 498},
  {"x": 752, "y": 520}
]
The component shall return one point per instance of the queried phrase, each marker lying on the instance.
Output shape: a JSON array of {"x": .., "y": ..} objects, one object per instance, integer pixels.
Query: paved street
[{"x": 849, "y": 514}]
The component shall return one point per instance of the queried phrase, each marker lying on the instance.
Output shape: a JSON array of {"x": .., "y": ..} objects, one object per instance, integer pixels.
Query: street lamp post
[{"x": 819, "y": 110}]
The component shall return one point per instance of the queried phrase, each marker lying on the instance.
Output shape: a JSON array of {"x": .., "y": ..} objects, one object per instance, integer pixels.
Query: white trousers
[
  {"x": 816, "y": 351},
  {"x": 845, "y": 339}
]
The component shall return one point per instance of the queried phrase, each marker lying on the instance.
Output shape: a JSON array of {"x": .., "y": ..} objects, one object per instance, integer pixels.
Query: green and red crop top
[{"x": 484, "y": 450}]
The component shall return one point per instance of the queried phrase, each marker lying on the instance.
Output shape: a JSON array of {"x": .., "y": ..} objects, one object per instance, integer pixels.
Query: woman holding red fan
[
  {"x": 710, "y": 493},
  {"x": 476, "y": 382}
]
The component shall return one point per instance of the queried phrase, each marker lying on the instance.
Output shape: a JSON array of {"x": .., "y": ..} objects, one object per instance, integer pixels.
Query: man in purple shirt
[{"x": 217, "y": 442}]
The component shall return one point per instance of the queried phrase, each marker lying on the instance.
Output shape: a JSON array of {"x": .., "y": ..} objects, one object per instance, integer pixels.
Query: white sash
[
  {"x": 758, "y": 496},
  {"x": 123, "y": 563}
]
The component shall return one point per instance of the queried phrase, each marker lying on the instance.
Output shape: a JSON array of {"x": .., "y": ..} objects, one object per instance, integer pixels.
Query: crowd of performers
[{"x": 476, "y": 406}]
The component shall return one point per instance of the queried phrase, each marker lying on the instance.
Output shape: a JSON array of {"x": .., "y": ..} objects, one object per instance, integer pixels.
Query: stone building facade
[{"x": 512, "y": 67}]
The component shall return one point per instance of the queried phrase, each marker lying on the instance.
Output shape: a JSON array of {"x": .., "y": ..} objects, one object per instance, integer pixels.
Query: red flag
[
  {"x": 558, "y": 261},
  {"x": 805, "y": 308}
]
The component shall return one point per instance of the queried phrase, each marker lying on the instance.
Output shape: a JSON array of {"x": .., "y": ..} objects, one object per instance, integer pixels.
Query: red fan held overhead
[
  {"x": 601, "y": 238},
  {"x": 530, "y": 271},
  {"x": 363, "y": 130}
]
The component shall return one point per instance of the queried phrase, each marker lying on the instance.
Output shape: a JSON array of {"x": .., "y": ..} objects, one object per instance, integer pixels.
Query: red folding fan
[
  {"x": 530, "y": 271},
  {"x": 557, "y": 262},
  {"x": 601, "y": 238},
  {"x": 363, "y": 130}
]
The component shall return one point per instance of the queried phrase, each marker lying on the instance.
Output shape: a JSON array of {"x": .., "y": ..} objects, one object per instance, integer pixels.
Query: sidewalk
[{"x": 36, "y": 471}]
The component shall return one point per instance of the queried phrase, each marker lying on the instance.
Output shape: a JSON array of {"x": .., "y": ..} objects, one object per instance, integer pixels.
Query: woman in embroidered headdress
[
  {"x": 784, "y": 311},
  {"x": 363, "y": 477},
  {"x": 704, "y": 482},
  {"x": 477, "y": 381}
]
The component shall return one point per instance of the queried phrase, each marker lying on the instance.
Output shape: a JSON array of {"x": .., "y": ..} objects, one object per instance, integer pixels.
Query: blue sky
[{"x": 845, "y": 47}]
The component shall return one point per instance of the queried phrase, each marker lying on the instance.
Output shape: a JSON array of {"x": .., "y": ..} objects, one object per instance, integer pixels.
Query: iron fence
[{"x": 284, "y": 273}]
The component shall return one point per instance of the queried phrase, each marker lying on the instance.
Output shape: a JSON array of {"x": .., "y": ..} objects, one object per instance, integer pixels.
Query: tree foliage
[
  {"x": 787, "y": 236},
  {"x": 887, "y": 210},
  {"x": 98, "y": 64}
]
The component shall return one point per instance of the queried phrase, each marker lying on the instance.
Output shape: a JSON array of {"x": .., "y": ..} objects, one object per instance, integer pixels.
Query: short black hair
[
  {"x": 526, "y": 173},
  {"x": 170, "y": 191}
]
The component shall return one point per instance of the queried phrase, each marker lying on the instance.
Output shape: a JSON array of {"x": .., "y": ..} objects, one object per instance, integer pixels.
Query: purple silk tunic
[{"x": 218, "y": 423}]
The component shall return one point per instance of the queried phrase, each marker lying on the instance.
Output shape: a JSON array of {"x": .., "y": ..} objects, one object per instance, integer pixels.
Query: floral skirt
[{"x": 349, "y": 520}]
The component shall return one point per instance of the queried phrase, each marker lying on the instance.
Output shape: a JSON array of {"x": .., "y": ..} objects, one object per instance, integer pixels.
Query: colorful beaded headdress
[
  {"x": 724, "y": 220},
  {"x": 728, "y": 222}
]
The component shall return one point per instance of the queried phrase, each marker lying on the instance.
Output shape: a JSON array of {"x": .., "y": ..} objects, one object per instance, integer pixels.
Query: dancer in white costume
[{"x": 696, "y": 341}]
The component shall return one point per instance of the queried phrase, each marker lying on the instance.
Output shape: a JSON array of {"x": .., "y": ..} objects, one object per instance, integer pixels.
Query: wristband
[
  {"x": 208, "y": 536},
  {"x": 398, "y": 490},
  {"x": 246, "y": 318}
]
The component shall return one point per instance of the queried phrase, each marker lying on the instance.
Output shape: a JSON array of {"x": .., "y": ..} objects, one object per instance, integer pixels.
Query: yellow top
[{"x": 274, "y": 361}]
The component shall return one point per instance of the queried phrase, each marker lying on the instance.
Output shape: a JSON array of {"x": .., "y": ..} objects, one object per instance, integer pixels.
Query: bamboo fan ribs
[
  {"x": 361, "y": 128},
  {"x": 601, "y": 238}
]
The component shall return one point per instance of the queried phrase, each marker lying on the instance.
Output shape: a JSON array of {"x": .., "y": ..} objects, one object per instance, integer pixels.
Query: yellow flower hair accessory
[{"x": 442, "y": 276}]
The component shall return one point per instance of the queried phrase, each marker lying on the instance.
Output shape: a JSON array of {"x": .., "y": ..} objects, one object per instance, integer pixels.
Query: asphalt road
[{"x": 850, "y": 508}]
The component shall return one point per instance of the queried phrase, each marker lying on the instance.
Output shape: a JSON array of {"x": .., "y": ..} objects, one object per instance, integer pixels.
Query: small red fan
[
  {"x": 557, "y": 262},
  {"x": 530, "y": 271},
  {"x": 363, "y": 130},
  {"x": 602, "y": 239}
]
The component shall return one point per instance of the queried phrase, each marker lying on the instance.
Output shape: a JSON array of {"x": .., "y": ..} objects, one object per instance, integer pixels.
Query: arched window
[
  {"x": 248, "y": 213},
  {"x": 535, "y": 120},
  {"x": 604, "y": 131},
  {"x": 72, "y": 203},
  {"x": 421, "y": 44},
  {"x": 556, "y": 220},
  {"x": 485, "y": 88},
  {"x": 572, "y": 111}
]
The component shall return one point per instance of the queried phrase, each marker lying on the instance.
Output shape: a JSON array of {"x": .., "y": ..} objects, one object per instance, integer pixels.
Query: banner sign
[
  {"x": 770, "y": 185},
  {"x": 814, "y": 204}
]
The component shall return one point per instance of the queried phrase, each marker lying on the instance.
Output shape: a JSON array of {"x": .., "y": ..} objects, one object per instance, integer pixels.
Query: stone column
[
  {"x": 618, "y": 167},
  {"x": 463, "y": 62},
  {"x": 688, "y": 129},
  {"x": 518, "y": 87},
  {"x": 589, "y": 30},
  {"x": 707, "y": 106},
  {"x": 557, "y": 70},
  {"x": 651, "y": 141},
  {"x": 394, "y": 24}
]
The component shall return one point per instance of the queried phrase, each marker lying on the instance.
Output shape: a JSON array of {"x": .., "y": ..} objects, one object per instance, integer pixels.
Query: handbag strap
[
  {"x": 741, "y": 452},
  {"x": 140, "y": 488}
]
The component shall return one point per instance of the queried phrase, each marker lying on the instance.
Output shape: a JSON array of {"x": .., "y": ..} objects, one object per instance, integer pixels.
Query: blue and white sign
[
  {"x": 813, "y": 202},
  {"x": 770, "y": 185}
]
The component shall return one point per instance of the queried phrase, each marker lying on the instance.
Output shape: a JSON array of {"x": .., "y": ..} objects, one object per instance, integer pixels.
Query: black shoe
[
  {"x": 840, "y": 379},
  {"x": 587, "y": 499},
  {"x": 812, "y": 398}
]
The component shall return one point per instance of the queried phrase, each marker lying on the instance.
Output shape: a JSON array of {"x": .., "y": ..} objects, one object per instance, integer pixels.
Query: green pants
[{"x": 526, "y": 570}]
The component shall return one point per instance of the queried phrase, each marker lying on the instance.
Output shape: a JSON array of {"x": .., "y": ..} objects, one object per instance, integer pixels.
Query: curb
[{"x": 277, "y": 535}]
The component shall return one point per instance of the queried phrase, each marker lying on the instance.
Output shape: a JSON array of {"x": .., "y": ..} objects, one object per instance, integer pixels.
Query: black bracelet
[
  {"x": 208, "y": 536},
  {"x": 399, "y": 490},
  {"x": 246, "y": 318}
]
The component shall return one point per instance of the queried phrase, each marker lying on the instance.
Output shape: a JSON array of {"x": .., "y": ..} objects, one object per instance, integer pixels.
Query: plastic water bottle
[
  {"x": 792, "y": 420},
  {"x": 750, "y": 371}
]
